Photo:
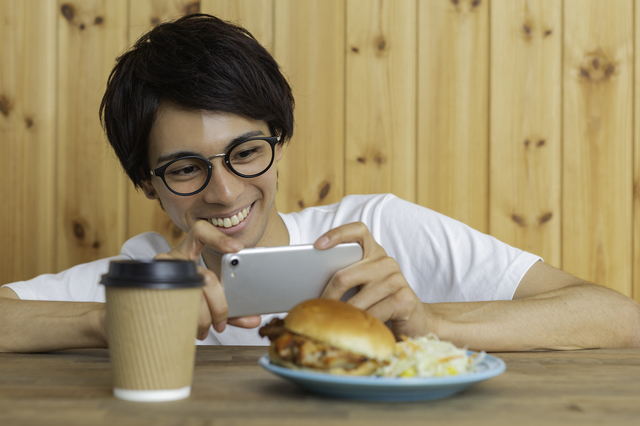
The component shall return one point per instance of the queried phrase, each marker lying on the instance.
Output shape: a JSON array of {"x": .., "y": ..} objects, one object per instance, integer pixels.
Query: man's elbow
[{"x": 630, "y": 338}]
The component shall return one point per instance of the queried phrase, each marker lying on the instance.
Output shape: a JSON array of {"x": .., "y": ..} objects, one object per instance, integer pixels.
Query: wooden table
[{"x": 229, "y": 388}]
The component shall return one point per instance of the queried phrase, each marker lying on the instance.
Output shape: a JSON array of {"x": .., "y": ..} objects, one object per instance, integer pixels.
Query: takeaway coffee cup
[{"x": 152, "y": 318}]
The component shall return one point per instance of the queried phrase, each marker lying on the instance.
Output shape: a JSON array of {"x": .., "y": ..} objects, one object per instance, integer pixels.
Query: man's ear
[
  {"x": 149, "y": 190},
  {"x": 279, "y": 151}
]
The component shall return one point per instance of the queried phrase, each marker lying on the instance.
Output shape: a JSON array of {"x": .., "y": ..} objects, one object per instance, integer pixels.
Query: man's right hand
[{"x": 213, "y": 308}]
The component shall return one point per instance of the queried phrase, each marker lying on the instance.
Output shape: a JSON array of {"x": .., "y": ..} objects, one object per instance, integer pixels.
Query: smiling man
[{"x": 198, "y": 114}]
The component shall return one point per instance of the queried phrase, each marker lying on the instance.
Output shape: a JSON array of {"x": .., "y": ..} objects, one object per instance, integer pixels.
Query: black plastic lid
[{"x": 158, "y": 274}]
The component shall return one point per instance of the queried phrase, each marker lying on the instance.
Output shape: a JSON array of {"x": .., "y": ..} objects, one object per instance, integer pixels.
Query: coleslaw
[{"x": 428, "y": 356}]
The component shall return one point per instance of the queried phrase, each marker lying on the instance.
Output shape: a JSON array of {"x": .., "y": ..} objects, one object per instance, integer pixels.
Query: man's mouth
[{"x": 228, "y": 222}]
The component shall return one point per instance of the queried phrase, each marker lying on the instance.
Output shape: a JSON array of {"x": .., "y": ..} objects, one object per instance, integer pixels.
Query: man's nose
[{"x": 224, "y": 186}]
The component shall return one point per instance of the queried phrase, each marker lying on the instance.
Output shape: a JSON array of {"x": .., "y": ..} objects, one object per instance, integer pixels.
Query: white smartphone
[{"x": 265, "y": 280}]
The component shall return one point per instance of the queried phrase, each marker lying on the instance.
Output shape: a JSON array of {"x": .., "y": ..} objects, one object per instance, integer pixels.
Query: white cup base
[{"x": 152, "y": 395}]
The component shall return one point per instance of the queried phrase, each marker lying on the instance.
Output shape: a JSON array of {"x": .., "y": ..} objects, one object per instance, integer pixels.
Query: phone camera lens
[{"x": 234, "y": 262}]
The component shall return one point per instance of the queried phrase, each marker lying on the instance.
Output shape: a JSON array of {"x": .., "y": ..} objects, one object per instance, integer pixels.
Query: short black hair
[{"x": 197, "y": 62}]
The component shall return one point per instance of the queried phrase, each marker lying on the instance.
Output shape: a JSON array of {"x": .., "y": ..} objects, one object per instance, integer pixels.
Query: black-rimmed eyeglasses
[{"x": 191, "y": 174}]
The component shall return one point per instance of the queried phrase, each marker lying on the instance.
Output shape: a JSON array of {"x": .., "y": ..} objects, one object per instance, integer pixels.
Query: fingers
[
  {"x": 383, "y": 290},
  {"x": 215, "y": 299},
  {"x": 246, "y": 322},
  {"x": 385, "y": 294},
  {"x": 356, "y": 232},
  {"x": 201, "y": 235},
  {"x": 375, "y": 266},
  {"x": 214, "y": 308},
  {"x": 376, "y": 279},
  {"x": 204, "y": 319}
]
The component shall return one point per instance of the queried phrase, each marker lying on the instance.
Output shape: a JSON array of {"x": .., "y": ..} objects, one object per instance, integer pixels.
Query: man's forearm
[
  {"x": 36, "y": 326},
  {"x": 576, "y": 317}
]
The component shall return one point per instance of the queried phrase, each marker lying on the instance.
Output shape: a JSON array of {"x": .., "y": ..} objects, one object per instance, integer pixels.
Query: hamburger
[{"x": 329, "y": 336}]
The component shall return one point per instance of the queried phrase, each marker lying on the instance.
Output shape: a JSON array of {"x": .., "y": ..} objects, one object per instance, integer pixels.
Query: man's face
[{"x": 206, "y": 134}]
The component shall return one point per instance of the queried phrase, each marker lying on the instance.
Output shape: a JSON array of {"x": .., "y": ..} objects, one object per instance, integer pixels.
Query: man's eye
[
  {"x": 185, "y": 169},
  {"x": 245, "y": 154},
  {"x": 182, "y": 171}
]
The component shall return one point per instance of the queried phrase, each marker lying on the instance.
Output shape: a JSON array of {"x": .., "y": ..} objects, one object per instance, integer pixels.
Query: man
[{"x": 198, "y": 112}]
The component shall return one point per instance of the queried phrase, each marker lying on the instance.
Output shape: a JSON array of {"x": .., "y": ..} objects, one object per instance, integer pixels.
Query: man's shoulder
[{"x": 146, "y": 245}]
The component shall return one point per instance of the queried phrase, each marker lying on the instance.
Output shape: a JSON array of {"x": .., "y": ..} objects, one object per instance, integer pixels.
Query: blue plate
[{"x": 368, "y": 388}]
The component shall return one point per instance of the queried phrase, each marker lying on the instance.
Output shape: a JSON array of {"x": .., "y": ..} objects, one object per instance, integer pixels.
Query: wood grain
[
  {"x": 526, "y": 144},
  {"x": 145, "y": 14},
  {"x": 309, "y": 42},
  {"x": 453, "y": 113},
  {"x": 254, "y": 15},
  {"x": 90, "y": 183},
  {"x": 391, "y": 96},
  {"x": 381, "y": 87},
  {"x": 27, "y": 138},
  {"x": 597, "y": 142},
  {"x": 592, "y": 387},
  {"x": 636, "y": 162}
]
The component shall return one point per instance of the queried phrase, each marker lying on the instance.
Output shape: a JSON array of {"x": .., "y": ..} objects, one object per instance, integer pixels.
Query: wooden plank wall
[{"x": 517, "y": 117}]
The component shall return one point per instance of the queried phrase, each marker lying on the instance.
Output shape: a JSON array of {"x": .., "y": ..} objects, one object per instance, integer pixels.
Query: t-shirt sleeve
[
  {"x": 77, "y": 284},
  {"x": 81, "y": 283},
  {"x": 443, "y": 259}
]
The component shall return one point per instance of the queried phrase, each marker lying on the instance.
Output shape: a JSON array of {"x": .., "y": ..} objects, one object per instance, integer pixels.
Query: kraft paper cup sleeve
[{"x": 152, "y": 332}]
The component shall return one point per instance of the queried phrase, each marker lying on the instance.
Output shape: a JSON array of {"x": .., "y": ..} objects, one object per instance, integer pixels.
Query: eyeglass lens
[{"x": 249, "y": 158}]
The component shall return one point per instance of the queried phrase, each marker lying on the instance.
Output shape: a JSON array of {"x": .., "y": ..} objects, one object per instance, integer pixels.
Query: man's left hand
[{"x": 383, "y": 289}]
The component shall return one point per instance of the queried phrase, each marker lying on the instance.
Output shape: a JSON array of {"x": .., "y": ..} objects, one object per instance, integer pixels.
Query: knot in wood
[
  {"x": 78, "y": 230},
  {"x": 465, "y": 6},
  {"x": 596, "y": 67},
  {"x": 381, "y": 44},
  {"x": 519, "y": 220},
  {"x": 324, "y": 191},
  {"x": 5, "y": 106},
  {"x": 379, "y": 159},
  {"x": 68, "y": 12},
  {"x": 545, "y": 218},
  {"x": 191, "y": 8}
]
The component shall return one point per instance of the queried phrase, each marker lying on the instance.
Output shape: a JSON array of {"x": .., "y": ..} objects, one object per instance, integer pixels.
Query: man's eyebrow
[
  {"x": 174, "y": 155},
  {"x": 241, "y": 138},
  {"x": 168, "y": 157}
]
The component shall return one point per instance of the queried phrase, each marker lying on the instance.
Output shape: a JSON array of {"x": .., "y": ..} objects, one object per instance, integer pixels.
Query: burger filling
[{"x": 301, "y": 351}]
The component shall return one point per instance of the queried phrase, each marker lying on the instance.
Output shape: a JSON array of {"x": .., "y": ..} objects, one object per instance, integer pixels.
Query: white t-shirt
[{"x": 443, "y": 260}]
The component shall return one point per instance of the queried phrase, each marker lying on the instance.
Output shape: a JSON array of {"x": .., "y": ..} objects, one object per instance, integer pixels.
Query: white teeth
[{"x": 228, "y": 222}]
